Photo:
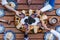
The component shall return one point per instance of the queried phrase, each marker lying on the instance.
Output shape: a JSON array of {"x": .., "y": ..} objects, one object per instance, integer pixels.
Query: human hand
[
  {"x": 17, "y": 13},
  {"x": 38, "y": 12},
  {"x": 43, "y": 17},
  {"x": 43, "y": 24}
]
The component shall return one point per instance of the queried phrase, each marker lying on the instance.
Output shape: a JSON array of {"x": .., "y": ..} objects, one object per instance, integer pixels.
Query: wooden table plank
[
  {"x": 57, "y": 1},
  {"x": 31, "y": 36},
  {"x": 23, "y": 39},
  {"x": 13, "y": 29},
  {"x": 57, "y": 6},
  {"x": 31, "y": 7},
  {"x": 33, "y": 1},
  {"x": 34, "y": 7},
  {"x": 9, "y": 13},
  {"x": 11, "y": 25},
  {"x": 51, "y": 13},
  {"x": 36, "y": 1},
  {"x": 31, "y": 39},
  {"x": 11, "y": 18}
]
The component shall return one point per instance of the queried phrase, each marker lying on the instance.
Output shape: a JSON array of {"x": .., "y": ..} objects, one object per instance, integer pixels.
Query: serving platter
[{"x": 31, "y": 20}]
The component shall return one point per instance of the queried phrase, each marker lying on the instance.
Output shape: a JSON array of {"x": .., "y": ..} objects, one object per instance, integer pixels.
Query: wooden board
[{"x": 36, "y": 4}]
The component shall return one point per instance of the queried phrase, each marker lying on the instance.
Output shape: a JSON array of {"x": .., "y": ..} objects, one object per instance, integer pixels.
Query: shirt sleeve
[
  {"x": 4, "y": 2},
  {"x": 55, "y": 33},
  {"x": 46, "y": 8}
]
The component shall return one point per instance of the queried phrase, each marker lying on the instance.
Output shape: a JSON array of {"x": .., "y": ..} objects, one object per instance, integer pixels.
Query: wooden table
[{"x": 36, "y": 4}]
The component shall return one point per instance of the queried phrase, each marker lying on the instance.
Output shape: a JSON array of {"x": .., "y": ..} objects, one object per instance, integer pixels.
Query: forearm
[
  {"x": 10, "y": 8},
  {"x": 44, "y": 25},
  {"x": 47, "y": 28},
  {"x": 57, "y": 34},
  {"x": 46, "y": 8},
  {"x": 51, "y": 30}
]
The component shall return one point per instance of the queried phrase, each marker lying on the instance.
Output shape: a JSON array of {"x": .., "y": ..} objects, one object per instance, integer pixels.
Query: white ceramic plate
[
  {"x": 53, "y": 20},
  {"x": 2, "y": 28},
  {"x": 49, "y": 36},
  {"x": 58, "y": 28},
  {"x": 14, "y": 3},
  {"x": 58, "y": 11},
  {"x": 2, "y": 13},
  {"x": 10, "y": 35}
]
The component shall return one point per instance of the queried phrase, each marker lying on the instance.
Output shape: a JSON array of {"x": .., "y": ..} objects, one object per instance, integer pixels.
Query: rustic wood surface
[{"x": 36, "y": 4}]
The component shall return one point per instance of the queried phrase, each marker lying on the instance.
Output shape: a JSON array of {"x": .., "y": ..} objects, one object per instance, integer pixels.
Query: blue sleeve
[{"x": 52, "y": 3}]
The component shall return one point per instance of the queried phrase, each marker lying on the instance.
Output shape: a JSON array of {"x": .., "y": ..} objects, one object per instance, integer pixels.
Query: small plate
[
  {"x": 9, "y": 34},
  {"x": 58, "y": 28},
  {"x": 13, "y": 3},
  {"x": 53, "y": 20},
  {"x": 2, "y": 12},
  {"x": 49, "y": 36},
  {"x": 58, "y": 11},
  {"x": 2, "y": 28}
]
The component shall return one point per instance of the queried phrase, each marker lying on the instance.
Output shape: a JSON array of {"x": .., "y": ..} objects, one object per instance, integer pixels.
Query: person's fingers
[{"x": 38, "y": 12}]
